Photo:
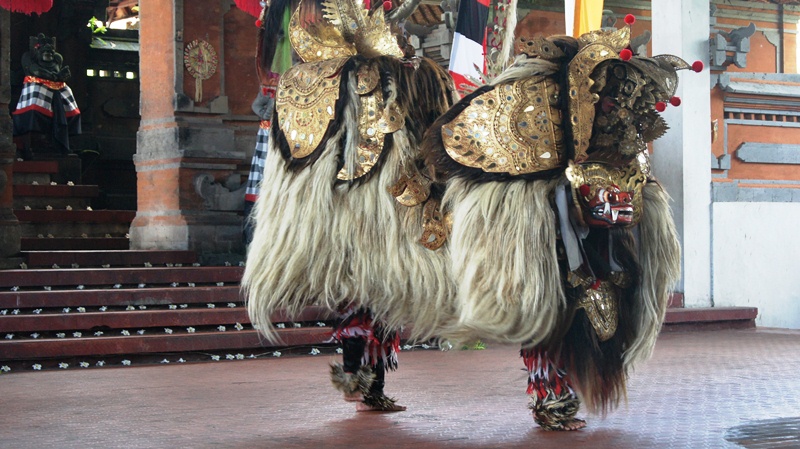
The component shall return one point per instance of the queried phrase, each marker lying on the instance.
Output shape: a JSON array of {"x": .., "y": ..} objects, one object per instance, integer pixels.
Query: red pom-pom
[
  {"x": 630, "y": 19},
  {"x": 387, "y": 5},
  {"x": 585, "y": 190},
  {"x": 675, "y": 101},
  {"x": 259, "y": 23},
  {"x": 625, "y": 54},
  {"x": 661, "y": 106},
  {"x": 697, "y": 66}
]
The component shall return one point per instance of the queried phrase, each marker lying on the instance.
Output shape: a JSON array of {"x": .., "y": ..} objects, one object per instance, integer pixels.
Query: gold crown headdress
[{"x": 348, "y": 29}]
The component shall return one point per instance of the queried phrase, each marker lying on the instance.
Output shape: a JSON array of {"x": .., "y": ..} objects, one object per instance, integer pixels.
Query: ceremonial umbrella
[
  {"x": 252, "y": 7},
  {"x": 27, "y": 6}
]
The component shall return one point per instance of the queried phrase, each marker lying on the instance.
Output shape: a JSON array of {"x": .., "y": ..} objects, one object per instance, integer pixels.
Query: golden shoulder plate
[
  {"x": 615, "y": 39},
  {"x": 581, "y": 99},
  {"x": 306, "y": 103},
  {"x": 515, "y": 128}
]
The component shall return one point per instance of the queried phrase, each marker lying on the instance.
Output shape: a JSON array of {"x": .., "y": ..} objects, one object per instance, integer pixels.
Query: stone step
[
  {"x": 710, "y": 318},
  {"x": 119, "y": 297},
  {"x": 38, "y": 197},
  {"x": 74, "y": 243},
  {"x": 179, "y": 341},
  {"x": 75, "y": 216},
  {"x": 28, "y": 172},
  {"x": 136, "y": 319},
  {"x": 111, "y": 276},
  {"x": 113, "y": 257}
]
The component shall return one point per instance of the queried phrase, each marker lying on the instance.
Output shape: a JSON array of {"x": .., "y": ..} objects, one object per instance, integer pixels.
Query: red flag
[
  {"x": 27, "y": 6},
  {"x": 252, "y": 7}
]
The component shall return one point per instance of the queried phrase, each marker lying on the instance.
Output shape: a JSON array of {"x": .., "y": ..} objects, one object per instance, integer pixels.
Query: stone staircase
[{"x": 81, "y": 298}]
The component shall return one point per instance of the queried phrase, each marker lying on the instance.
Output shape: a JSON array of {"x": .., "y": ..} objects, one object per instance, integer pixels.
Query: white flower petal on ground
[
  {"x": 3, "y": 312},
  {"x": 172, "y": 307},
  {"x": 183, "y": 306},
  {"x": 190, "y": 330},
  {"x": 229, "y": 356},
  {"x": 211, "y": 306},
  {"x": 15, "y": 312},
  {"x": 35, "y": 311},
  {"x": 37, "y": 367},
  {"x": 196, "y": 264},
  {"x": 231, "y": 305},
  {"x": 66, "y": 310},
  {"x": 55, "y": 266},
  {"x": 297, "y": 325},
  {"x": 165, "y": 361},
  {"x": 314, "y": 351},
  {"x": 142, "y": 285},
  {"x": 167, "y": 330},
  {"x": 100, "y": 363},
  {"x": 84, "y": 364},
  {"x": 74, "y": 265},
  {"x": 140, "y": 331},
  {"x": 190, "y": 284},
  {"x": 125, "y": 332},
  {"x": 34, "y": 335},
  {"x": 276, "y": 354},
  {"x": 148, "y": 265},
  {"x": 23, "y": 265},
  {"x": 339, "y": 350},
  {"x": 407, "y": 347},
  {"x": 251, "y": 356},
  {"x": 81, "y": 309},
  {"x": 280, "y": 326},
  {"x": 53, "y": 183},
  {"x": 27, "y": 208},
  {"x": 69, "y": 207},
  {"x": 227, "y": 264},
  {"x": 241, "y": 263},
  {"x": 221, "y": 328},
  {"x": 77, "y": 334},
  {"x": 80, "y": 287},
  {"x": 98, "y": 333},
  {"x": 5, "y": 368},
  {"x": 117, "y": 285},
  {"x": 215, "y": 358},
  {"x": 239, "y": 356},
  {"x": 220, "y": 284},
  {"x": 61, "y": 335},
  {"x": 48, "y": 288},
  {"x": 126, "y": 362},
  {"x": 9, "y": 336},
  {"x": 424, "y": 346},
  {"x": 63, "y": 365},
  {"x": 238, "y": 326},
  {"x": 89, "y": 208},
  {"x": 130, "y": 308},
  {"x": 142, "y": 307},
  {"x": 103, "y": 308},
  {"x": 15, "y": 288},
  {"x": 180, "y": 360},
  {"x": 320, "y": 324},
  {"x": 174, "y": 284},
  {"x": 106, "y": 265}
]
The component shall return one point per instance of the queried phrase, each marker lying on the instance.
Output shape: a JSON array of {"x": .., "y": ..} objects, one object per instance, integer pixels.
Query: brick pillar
[
  {"x": 9, "y": 225},
  {"x": 180, "y": 141}
]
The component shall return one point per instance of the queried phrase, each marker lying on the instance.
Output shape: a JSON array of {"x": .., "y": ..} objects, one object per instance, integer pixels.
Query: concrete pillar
[
  {"x": 178, "y": 140},
  {"x": 681, "y": 158},
  {"x": 9, "y": 225}
]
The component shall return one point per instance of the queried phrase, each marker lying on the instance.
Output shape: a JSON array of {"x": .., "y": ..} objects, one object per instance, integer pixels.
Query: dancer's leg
[{"x": 552, "y": 400}]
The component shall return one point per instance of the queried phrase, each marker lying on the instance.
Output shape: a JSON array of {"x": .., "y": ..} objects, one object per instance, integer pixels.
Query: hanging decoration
[
  {"x": 252, "y": 7},
  {"x": 201, "y": 61},
  {"x": 27, "y": 6}
]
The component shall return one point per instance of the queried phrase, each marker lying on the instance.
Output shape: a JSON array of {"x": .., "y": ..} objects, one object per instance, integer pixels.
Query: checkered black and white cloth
[
  {"x": 257, "y": 164},
  {"x": 39, "y": 97}
]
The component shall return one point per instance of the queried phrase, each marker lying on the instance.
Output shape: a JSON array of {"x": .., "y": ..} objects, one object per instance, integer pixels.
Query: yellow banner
[{"x": 588, "y": 15}]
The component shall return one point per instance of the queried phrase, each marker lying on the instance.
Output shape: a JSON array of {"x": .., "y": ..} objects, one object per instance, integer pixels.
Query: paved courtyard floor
[{"x": 701, "y": 389}]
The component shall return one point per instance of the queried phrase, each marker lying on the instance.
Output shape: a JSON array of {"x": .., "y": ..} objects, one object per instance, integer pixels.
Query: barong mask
[{"x": 605, "y": 196}]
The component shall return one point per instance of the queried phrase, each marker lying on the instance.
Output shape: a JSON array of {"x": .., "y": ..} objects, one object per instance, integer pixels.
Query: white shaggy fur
[
  {"x": 327, "y": 244},
  {"x": 503, "y": 253},
  {"x": 660, "y": 260}
]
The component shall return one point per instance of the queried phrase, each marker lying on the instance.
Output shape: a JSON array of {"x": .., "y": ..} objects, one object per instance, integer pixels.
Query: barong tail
[{"x": 329, "y": 233}]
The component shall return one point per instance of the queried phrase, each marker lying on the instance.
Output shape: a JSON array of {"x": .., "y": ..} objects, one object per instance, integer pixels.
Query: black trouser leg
[
  {"x": 352, "y": 353},
  {"x": 376, "y": 390}
]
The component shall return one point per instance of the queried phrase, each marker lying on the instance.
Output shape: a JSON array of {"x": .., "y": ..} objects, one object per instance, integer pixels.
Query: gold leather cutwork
[
  {"x": 515, "y": 128},
  {"x": 581, "y": 98},
  {"x": 411, "y": 190},
  {"x": 306, "y": 103},
  {"x": 375, "y": 120},
  {"x": 601, "y": 305},
  {"x": 320, "y": 42},
  {"x": 435, "y": 225}
]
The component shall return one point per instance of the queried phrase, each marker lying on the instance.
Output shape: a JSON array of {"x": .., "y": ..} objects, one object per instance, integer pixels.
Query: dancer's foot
[
  {"x": 355, "y": 396},
  {"x": 565, "y": 424},
  {"x": 391, "y": 407}
]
